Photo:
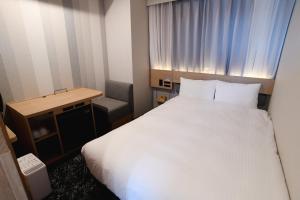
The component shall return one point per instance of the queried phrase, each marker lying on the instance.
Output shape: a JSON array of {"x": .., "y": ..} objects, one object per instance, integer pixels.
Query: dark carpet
[{"x": 71, "y": 179}]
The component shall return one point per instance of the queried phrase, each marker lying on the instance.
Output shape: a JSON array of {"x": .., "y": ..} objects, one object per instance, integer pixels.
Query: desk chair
[{"x": 116, "y": 108}]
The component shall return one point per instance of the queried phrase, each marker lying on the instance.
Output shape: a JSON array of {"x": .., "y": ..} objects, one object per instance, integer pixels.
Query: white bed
[{"x": 190, "y": 149}]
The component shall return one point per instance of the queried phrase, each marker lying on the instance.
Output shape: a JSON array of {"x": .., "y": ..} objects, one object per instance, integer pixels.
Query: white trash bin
[{"x": 36, "y": 176}]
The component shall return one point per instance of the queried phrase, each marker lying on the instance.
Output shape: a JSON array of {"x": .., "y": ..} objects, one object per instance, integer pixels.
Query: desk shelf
[
  {"x": 49, "y": 149},
  {"x": 45, "y": 137},
  {"x": 42, "y": 125}
]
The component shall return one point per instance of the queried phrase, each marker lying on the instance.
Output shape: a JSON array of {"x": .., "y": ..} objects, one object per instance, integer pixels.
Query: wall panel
[{"x": 285, "y": 107}]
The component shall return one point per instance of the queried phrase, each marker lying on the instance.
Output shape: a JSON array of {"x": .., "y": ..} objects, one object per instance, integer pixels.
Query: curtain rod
[{"x": 154, "y": 2}]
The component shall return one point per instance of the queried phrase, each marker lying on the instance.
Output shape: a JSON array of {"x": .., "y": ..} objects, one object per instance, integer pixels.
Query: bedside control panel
[{"x": 165, "y": 83}]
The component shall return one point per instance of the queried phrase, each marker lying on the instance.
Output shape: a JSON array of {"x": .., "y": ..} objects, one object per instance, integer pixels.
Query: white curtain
[
  {"x": 235, "y": 37},
  {"x": 160, "y": 23}
]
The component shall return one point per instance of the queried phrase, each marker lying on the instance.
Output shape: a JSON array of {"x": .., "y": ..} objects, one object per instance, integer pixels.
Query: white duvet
[{"x": 190, "y": 149}]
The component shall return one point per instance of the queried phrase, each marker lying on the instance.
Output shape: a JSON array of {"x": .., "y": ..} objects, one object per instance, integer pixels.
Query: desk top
[{"x": 42, "y": 104}]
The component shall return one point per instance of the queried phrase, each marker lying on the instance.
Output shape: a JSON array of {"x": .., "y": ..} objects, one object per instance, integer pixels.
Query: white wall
[
  {"x": 126, "y": 26},
  {"x": 118, "y": 39},
  {"x": 140, "y": 57},
  {"x": 48, "y": 45},
  {"x": 285, "y": 107}
]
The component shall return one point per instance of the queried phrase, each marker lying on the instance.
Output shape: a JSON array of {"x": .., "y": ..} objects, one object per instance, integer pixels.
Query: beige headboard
[{"x": 163, "y": 79}]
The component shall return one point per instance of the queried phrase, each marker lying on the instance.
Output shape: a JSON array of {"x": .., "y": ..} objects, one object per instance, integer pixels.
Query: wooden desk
[
  {"x": 40, "y": 105},
  {"x": 11, "y": 135},
  {"x": 38, "y": 122}
]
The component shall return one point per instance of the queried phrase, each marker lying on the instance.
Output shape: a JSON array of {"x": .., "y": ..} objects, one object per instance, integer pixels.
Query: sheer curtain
[
  {"x": 235, "y": 37},
  {"x": 160, "y": 30}
]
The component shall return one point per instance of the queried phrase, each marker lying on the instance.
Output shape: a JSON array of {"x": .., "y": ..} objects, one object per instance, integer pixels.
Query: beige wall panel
[
  {"x": 285, "y": 106},
  {"x": 140, "y": 57}
]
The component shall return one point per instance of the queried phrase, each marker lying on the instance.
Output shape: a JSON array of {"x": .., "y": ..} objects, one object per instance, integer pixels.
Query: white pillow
[
  {"x": 240, "y": 94},
  {"x": 197, "y": 88}
]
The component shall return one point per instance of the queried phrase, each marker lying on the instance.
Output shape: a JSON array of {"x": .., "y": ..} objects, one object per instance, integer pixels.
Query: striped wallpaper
[{"x": 51, "y": 44}]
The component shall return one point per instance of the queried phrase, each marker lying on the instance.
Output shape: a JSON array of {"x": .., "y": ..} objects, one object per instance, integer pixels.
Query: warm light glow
[
  {"x": 251, "y": 75},
  {"x": 256, "y": 75},
  {"x": 182, "y": 69},
  {"x": 160, "y": 67},
  {"x": 208, "y": 70}
]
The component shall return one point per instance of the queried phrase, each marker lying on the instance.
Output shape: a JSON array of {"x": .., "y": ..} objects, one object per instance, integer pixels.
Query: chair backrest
[{"x": 120, "y": 91}]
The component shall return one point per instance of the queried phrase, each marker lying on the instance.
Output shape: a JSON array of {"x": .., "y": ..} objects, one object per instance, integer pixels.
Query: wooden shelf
[
  {"x": 57, "y": 158},
  {"x": 49, "y": 148},
  {"x": 44, "y": 137},
  {"x": 53, "y": 160}
]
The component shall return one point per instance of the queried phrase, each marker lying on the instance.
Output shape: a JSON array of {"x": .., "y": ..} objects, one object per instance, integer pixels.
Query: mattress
[{"x": 190, "y": 149}]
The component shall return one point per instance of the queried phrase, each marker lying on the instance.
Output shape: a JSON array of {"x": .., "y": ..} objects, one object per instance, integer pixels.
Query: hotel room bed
[{"x": 191, "y": 149}]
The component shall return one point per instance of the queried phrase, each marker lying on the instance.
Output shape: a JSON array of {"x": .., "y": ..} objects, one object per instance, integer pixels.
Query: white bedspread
[{"x": 190, "y": 149}]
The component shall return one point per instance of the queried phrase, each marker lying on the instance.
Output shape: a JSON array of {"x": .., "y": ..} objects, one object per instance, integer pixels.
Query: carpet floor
[{"x": 72, "y": 180}]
